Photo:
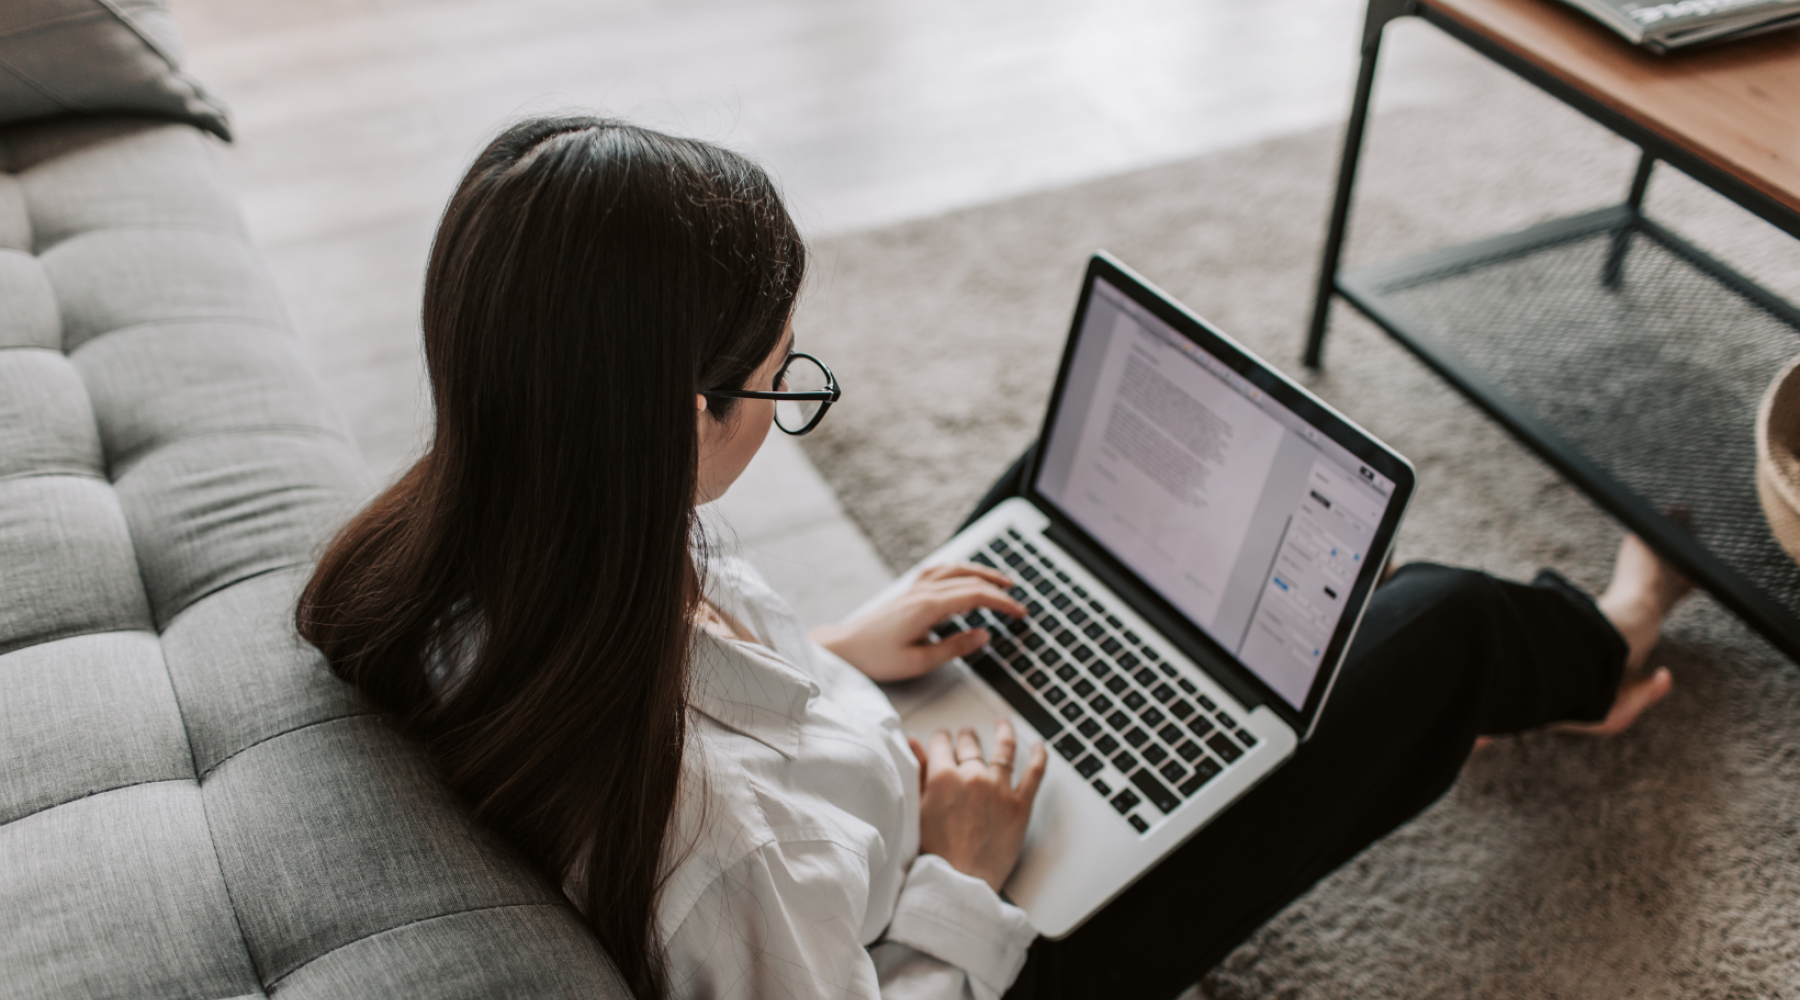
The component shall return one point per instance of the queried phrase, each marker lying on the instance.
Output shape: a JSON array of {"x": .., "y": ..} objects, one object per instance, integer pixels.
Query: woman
[{"x": 730, "y": 803}]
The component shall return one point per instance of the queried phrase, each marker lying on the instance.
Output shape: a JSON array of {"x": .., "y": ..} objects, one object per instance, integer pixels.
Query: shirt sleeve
[
  {"x": 955, "y": 921},
  {"x": 782, "y": 923}
]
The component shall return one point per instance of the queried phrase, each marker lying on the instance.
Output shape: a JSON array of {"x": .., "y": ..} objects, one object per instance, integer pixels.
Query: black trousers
[{"x": 1443, "y": 655}]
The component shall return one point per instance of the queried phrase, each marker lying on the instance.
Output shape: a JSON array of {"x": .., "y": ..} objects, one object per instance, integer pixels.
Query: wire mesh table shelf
[{"x": 1633, "y": 363}]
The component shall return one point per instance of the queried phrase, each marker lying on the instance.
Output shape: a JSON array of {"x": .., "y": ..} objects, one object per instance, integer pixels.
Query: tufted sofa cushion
[{"x": 191, "y": 805}]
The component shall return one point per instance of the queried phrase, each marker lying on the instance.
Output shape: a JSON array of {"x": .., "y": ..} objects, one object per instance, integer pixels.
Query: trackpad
[{"x": 968, "y": 705}]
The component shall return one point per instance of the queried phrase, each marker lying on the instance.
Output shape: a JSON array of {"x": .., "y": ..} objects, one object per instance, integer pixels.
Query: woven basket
[{"x": 1778, "y": 458}]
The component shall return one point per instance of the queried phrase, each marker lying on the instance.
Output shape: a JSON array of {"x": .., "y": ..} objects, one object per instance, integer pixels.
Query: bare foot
[{"x": 1643, "y": 591}]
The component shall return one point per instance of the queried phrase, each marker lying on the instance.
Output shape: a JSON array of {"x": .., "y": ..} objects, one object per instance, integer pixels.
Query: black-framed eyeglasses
[{"x": 804, "y": 389}]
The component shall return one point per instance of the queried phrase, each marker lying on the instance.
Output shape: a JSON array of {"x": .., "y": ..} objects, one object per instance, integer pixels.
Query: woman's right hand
[{"x": 970, "y": 813}]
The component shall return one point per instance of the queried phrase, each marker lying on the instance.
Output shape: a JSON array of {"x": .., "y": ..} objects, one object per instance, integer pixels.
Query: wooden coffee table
[{"x": 1626, "y": 357}]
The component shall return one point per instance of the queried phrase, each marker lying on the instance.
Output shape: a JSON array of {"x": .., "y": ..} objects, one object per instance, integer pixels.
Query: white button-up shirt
[{"x": 793, "y": 853}]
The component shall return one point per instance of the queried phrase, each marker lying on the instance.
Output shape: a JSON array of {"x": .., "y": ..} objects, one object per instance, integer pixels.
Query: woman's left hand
[{"x": 894, "y": 642}]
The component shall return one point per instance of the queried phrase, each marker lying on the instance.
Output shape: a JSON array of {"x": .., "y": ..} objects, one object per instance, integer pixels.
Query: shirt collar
[{"x": 749, "y": 688}]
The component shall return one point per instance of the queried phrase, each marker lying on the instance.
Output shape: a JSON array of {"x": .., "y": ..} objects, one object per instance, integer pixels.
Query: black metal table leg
[
  {"x": 1380, "y": 12},
  {"x": 1615, "y": 260}
]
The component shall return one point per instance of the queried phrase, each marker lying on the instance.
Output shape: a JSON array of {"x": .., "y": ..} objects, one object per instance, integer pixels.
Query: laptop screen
[{"x": 1242, "y": 515}]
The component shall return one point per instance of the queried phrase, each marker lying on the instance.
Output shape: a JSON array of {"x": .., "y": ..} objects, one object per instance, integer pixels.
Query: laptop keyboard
[{"x": 1125, "y": 718}]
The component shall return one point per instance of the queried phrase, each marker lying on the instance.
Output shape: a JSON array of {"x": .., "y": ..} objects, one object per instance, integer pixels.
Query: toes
[{"x": 1634, "y": 699}]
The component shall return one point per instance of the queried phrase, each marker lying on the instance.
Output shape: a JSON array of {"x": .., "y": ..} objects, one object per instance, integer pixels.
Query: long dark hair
[{"x": 589, "y": 278}]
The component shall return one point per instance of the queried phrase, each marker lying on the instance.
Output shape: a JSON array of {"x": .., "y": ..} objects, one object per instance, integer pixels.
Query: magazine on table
[{"x": 1672, "y": 24}]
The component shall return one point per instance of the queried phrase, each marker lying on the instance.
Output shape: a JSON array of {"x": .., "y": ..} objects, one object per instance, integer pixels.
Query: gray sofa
[{"x": 191, "y": 805}]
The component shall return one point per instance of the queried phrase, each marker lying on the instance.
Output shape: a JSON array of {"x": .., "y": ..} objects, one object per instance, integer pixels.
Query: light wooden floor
[{"x": 355, "y": 117}]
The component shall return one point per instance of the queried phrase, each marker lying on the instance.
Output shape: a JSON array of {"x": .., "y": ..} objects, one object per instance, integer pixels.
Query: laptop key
[
  {"x": 1117, "y": 685},
  {"x": 1089, "y": 765},
  {"x": 1167, "y": 668},
  {"x": 1132, "y": 637},
  {"x": 1099, "y": 669},
  {"x": 1181, "y": 709},
  {"x": 1038, "y": 679},
  {"x": 1028, "y": 571},
  {"x": 1094, "y": 630},
  {"x": 1137, "y": 823},
  {"x": 1164, "y": 693},
  {"x": 1111, "y": 646},
  {"x": 1222, "y": 745},
  {"x": 1082, "y": 652},
  {"x": 1158, "y": 793},
  {"x": 1201, "y": 725},
  {"x": 1032, "y": 640},
  {"x": 1089, "y": 727},
  {"x": 1043, "y": 586},
  {"x": 1054, "y": 696},
  {"x": 1069, "y": 747},
  {"x": 1226, "y": 720},
  {"x": 1248, "y": 738},
  {"x": 1076, "y": 615},
  {"x": 1083, "y": 688},
  {"x": 1151, "y": 717},
  {"x": 984, "y": 559},
  {"x": 1128, "y": 662},
  {"x": 1187, "y": 685},
  {"x": 1114, "y": 622},
  {"x": 989, "y": 668},
  {"x": 1155, "y": 754},
  {"x": 998, "y": 545},
  {"x": 1106, "y": 744},
  {"x": 1204, "y": 771},
  {"x": 1061, "y": 601},
  {"x": 1118, "y": 720},
  {"x": 1032, "y": 608},
  {"x": 1134, "y": 701},
  {"x": 1146, "y": 677},
  {"x": 1049, "y": 657},
  {"x": 1101, "y": 703},
  {"x": 1125, "y": 801},
  {"x": 1124, "y": 762},
  {"x": 1136, "y": 736},
  {"x": 1067, "y": 672},
  {"x": 1072, "y": 711},
  {"x": 1187, "y": 751},
  {"x": 1170, "y": 734},
  {"x": 1102, "y": 787},
  {"x": 1150, "y": 654},
  {"x": 1066, "y": 638},
  {"x": 1208, "y": 703}
]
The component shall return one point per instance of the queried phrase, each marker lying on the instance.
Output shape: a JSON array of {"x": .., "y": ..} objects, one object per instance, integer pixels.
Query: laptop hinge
[{"x": 1176, "y": 629}]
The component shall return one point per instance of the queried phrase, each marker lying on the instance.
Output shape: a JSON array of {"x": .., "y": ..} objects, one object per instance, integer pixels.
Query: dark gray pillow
[{"x": 95, "y": 57}]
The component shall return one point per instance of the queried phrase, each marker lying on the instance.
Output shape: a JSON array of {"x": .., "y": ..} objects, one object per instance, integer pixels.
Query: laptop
[{"x": 1196, "y": 542}]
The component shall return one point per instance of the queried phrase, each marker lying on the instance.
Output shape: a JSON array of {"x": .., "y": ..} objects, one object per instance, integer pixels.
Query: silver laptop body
[{"x": 1198, "y": 537}]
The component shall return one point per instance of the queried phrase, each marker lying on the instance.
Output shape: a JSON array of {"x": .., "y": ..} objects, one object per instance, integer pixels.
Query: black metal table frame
[{"x": 1668, "y": 537}]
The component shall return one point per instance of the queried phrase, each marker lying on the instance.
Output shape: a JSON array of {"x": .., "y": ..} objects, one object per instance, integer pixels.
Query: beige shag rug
[{"x": 1665, "y": 863}]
